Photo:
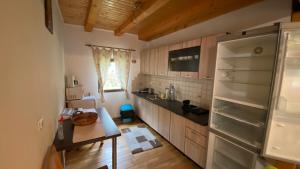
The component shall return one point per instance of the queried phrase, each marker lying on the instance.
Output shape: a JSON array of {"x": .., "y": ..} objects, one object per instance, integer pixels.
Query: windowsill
[{"x": 113, "y": 90}]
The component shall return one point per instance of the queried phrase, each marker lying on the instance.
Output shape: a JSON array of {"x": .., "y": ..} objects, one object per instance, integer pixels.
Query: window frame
[{"x": 113, "y": 90}]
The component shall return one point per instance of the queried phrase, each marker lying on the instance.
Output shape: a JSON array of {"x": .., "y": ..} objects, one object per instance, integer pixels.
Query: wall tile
[{"x": 198, "y": 91}]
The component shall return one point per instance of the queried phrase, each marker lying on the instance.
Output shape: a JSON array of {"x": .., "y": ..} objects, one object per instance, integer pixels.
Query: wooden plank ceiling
[{"x": 149, "y": 19}]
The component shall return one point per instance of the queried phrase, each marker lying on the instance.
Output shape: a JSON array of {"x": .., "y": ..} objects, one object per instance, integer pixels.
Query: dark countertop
[
  {"x": 110, "y": 128},
  {"x": 176, "y": 107}
]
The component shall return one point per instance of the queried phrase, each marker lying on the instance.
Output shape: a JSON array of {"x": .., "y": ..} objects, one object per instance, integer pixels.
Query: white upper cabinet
[
  {"x": 144, "y": 63},
  {"x": 208, "y": 57},
  {"x": 162, "y": 61},
  {"x": 153, "y": 59},
  {"x": 191, "y": 43}
]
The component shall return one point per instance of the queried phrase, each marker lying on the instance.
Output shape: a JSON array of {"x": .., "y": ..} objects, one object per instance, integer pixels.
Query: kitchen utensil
[
  {"x": 172, "y": 92},
  {"x": 186, "y": 102},
  {"x": 167, "y": 96}
]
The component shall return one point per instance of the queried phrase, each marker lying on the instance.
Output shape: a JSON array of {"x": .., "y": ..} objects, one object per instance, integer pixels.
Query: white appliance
[
  {"x": 256, "y": 79},
  {"x": 283, "y": 130},
  {"x": 74, "y": 93},
  {"x": 70, "y": 81}
]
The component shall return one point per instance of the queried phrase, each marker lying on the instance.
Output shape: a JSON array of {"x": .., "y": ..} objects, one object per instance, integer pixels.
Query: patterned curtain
[
  {"x": 101, "y": 60},
  {"x": 122, "y": 60}
]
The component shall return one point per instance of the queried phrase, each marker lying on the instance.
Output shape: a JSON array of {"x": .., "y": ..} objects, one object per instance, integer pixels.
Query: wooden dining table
[{"x": 110, "y": 129}]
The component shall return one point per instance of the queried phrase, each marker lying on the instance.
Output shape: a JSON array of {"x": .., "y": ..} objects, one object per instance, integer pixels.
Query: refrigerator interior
[
  {"x": 244, "y": 123},
  {"x": 285, "y": 107},
  {"x": 289, "y": 99},
  {"x": 244, "y": 70},
  {"x": 242, "y": 86},
  {"x": 224, "y": 154}
]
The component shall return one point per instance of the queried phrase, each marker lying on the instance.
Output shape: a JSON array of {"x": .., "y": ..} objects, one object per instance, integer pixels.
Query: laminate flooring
[{"x": 93, "y": 156}]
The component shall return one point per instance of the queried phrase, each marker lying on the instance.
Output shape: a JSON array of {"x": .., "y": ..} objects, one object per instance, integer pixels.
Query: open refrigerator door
[{"x": 282, "y": 139}]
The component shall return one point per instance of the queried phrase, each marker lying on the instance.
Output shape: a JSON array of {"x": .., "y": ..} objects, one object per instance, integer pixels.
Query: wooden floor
[{"x": 93, "y": 157}]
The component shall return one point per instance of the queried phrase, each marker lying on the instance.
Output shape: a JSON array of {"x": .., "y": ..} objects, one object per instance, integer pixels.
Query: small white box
[
  {"x": 74, "y": 93},
  {"x": 86, "y": 102},
  {"x": 70, "y": 81}
]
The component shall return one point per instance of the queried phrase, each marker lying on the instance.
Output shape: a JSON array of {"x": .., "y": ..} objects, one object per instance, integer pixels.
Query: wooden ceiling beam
[
  {"x": 196, "y": 12},
  {"x": 147, "y": 8},
  {"x": 92, "y": 15}
]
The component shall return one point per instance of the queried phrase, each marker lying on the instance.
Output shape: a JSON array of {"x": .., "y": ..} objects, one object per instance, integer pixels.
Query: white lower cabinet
[
  {"x": 164, "y": 120},
  {"x": 177, "y": 131},
  {"x": 148, "y": 112},
  {"x": 196, "y": 152},
  {"x": 143, "y": 112},
  {"x": 196, "y": 142},
  {"x": 187, "y": 136},
  {"x": 139, "y": 105},
  {"x": 154, "y": 117}
]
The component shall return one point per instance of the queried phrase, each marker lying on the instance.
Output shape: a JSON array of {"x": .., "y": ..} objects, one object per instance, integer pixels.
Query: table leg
[
  {"x": 114, "y": 153},
  {"x": 63, "y": 158},
  {"x": 101, "y": 144}
]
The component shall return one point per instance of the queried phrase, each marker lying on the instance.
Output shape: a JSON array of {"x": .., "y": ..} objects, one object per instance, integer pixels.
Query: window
[{"x": 112, "y": 82}]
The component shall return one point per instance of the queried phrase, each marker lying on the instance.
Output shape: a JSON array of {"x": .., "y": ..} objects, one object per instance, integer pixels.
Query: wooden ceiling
[{"x": 149, "y": 19}]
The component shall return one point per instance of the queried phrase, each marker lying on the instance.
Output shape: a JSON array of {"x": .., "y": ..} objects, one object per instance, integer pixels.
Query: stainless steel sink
[{"x": 153, "y": 97}]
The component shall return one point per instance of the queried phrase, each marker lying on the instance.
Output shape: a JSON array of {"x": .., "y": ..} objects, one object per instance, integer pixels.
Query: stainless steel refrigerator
[{"x": 255, "y": 111}]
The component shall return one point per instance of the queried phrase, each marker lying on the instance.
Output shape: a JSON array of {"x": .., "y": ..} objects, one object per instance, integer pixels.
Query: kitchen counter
[{"x": 176, "y": 107}]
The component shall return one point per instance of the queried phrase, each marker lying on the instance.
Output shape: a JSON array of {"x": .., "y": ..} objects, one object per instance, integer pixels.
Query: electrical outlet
[{"x": 40, "y": 124}]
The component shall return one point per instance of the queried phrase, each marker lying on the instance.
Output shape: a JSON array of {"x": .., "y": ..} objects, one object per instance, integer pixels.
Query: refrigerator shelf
[
  {"x": 225, "y": 154},
  {"x": 244, "y": 83},
  {"x": 226, "y": 157},
  {"x": 232, "y": 155},
  {"x": 244, "y": 114},
  {"x": 248, "y": 56},
  {"x": 243, "y": 101},
  {"x": 256, "y": 145},
  {"x": 244, "y": 69},
  {"x": 242, "y": 132},
  {"x": 218, "y": 166},
  {"x": 241, "y": 119},
  {"x": 262, "y": 78},
  {"x": 293, "y": 62}
]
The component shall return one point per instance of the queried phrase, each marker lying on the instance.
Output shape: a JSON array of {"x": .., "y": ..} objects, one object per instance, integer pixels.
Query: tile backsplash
[{"x": 198, "y": 91}]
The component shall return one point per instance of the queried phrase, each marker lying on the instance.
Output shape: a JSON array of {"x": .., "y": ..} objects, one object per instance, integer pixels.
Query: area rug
[{"x": 140, "y": 139}]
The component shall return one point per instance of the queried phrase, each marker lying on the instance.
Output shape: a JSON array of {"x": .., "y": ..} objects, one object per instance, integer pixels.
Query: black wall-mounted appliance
[{"x": 185, "y": 60}]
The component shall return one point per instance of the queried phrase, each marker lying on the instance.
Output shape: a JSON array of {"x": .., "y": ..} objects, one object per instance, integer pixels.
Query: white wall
[
  {"x": 79, "y": 61},
  {"x": 32, "y": 82}
]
